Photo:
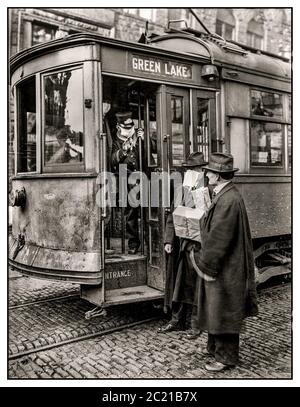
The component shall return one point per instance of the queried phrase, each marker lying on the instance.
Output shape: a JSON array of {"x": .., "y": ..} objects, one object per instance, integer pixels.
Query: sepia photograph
[{"x": 149, "y": 187}]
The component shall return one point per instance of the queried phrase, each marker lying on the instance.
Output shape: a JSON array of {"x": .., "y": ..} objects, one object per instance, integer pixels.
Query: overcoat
[
  {"x": 227, "y": 255},
  {"x": 180, "y": 276}
]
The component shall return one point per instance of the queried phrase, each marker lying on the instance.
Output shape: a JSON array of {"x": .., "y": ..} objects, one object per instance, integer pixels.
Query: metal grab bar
[
  {"x": 141, "y": 179},
  {"x": 103, "y": 212},
  {"x": 167, "y": 140}
]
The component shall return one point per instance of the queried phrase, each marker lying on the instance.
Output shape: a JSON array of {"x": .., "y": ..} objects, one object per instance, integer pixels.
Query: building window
[
  {"x": 255, "y": 34},
  {"x": 42, "y": 33},
  {"x": 133, "y": 11},
  {"x": 26, "y": 150},
  {"x": 147, "y": 13},
  {"x": 63, "y": 118},
  {"x": 225, "y": 24}
]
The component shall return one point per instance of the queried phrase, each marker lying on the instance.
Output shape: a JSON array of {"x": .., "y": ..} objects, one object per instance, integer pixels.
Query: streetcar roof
[{"x": 178, "y": 44}]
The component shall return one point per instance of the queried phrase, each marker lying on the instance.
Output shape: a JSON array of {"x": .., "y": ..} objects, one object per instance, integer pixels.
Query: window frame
[
  {"x": 224, "y": 25},
  {"x": 131, "y": 11},
  {"x": 284, "y": 121},
  {"x": 18, "y": 125},
  {"x": 254, "y": 34},
  {"x": 79, "y": 167}
]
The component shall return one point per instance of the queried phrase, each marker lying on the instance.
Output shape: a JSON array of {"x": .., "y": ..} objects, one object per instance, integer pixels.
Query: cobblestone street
[{"x": 137, "y": 351}]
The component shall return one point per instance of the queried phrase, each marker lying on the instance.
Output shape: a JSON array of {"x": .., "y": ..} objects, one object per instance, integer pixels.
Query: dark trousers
[
  {"x": 224, "y": 347},
  {"x": 132, "y": 221},
  {"x": 132, "y": 227},
  {"x": 180, "y": 313}
]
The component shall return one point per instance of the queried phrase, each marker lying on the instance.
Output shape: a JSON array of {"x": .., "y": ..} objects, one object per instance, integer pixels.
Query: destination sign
[{"x": 159, "y": 67}]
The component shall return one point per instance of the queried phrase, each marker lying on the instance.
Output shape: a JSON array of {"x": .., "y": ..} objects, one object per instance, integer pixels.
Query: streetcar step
[{"x": 132, "y": 294}]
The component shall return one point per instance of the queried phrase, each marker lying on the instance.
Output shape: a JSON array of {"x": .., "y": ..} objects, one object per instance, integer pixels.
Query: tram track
[
  {"x": 81, "y": 338},
  {"x": 58, "y": 321},
  {"x": 37, "y": 302}
]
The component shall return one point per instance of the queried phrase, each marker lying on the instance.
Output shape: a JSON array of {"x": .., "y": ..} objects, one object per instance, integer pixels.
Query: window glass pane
[
  {"x": 257, "y": 41},
  {"x": 152, "y": 154},
  {"x": 202, "y": 135},
  {"x": 219, "y": 27},
  {"x": 42, "y": 33},
  {"x": 228, "y": 32},
  {"x": 266, "y": 104},
  {"x": 266, "y": 144},
  {"x": 249, "y": 39},
  {"x": 147, "y": 13},
  {"x": 177, "y": 130},
  {"x": 27, "y": 127},
  {"x": 63, "y": 119},
  {"x": 130, "y": 10}
]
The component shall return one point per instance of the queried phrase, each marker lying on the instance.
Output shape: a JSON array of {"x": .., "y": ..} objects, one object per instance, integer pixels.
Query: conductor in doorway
[{"x": 125, "y": 151}]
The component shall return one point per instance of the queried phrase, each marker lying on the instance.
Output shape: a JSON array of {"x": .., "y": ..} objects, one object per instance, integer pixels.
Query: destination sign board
[{"x": 161, "y": 67}]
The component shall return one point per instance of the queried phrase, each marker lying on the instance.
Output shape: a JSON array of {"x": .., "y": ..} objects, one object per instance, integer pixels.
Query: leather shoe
[
  {"x": 168, "y": 328},
  {"x": 216, "y": 367},
  {"x": 202, "y": 351},
  {"x": 192, "y": 334}
]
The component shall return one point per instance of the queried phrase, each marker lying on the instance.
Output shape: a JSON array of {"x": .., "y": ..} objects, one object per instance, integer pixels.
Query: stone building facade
[{"x": 267, "y": 29}]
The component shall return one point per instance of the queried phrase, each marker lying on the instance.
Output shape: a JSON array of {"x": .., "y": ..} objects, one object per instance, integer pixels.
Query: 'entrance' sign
[{"x": 161, "y": 67}]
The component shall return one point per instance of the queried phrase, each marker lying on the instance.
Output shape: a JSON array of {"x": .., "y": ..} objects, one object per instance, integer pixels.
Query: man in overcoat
[
  {"x": 181, "y": 276},
  {"x": 226, "y": 291}
]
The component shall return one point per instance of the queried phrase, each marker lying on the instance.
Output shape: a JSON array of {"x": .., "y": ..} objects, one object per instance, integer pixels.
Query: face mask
[
  {"x": 212, "y": 177},
  {"x": 123, "y": 134}
]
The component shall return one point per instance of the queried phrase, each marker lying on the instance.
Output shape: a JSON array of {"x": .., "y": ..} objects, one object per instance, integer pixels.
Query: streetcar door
[{"x": 172, "y": 127}]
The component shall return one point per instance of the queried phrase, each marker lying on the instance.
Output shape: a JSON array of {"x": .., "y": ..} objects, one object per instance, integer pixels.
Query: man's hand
[
  {"x": 168, "y": 248},
  {"x": 140, "y": 133}
]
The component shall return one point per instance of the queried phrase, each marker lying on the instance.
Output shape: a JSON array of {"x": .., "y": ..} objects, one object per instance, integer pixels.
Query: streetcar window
[
  {"x": 266, "y": 144},
  {"x": 266, "y": 104},
  {"x": 42, "y": 33},
  {"x": 177, "y": 130},
  {"x": 152, "y": 140},
  {"x": 63, "y": 118},
  {"x": 202, "y": 134},
  {"x": 26, "y": 150}
]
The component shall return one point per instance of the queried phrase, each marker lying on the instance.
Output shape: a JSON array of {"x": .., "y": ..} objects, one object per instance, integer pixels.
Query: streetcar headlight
[{"x": 209, "y": 72}]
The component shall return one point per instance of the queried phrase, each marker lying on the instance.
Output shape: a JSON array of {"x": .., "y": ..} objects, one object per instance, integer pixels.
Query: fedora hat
[
  {"x": 124, "y": 120},
  {"x": 220, "y": 162},
  {"x": 195, "y": 160}
]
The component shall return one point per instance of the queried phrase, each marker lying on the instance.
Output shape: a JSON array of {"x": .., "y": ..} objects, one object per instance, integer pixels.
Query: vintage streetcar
[{"x": 189, "y": 91}]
